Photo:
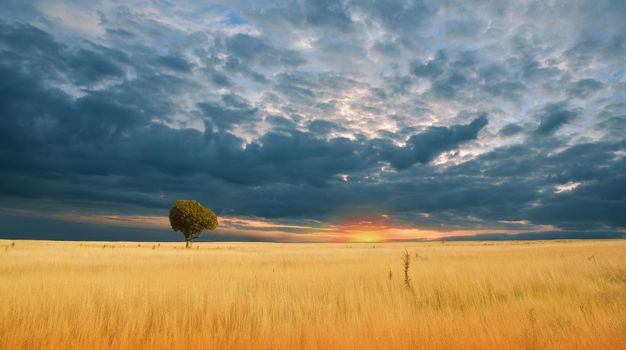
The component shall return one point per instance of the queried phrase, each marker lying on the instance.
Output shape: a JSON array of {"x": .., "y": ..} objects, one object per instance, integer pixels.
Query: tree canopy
[{"x": 191, "y": 218}]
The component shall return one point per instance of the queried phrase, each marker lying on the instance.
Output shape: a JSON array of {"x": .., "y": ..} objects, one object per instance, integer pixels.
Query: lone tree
[{"x": 191, "y": 218}]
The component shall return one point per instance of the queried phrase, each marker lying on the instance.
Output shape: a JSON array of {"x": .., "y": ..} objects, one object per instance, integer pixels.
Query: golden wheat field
[{"x": 516, "y": 295}]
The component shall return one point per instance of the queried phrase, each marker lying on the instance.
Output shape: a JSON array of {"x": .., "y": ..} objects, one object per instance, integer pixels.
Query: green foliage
[{"x": 191, "y": 218}]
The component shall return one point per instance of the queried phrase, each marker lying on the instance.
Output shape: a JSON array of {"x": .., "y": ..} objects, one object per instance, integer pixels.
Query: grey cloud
[
  {"x": 28, "y": 39},
  {"x": 397, "y": 15},
  {"x": 510, "y": 130},
  {"x": 424, "y": 147},
  {"x": 281, "y": 123},
  {"x": 613, "y": 126},
  {"x": 585, "y": 87},
  {"x": 124, "y": 131},
  {"x": 175, "y": 62},
  {"x": 387, "y": 48},
  {"x": 432, "y": 68},
  {"x": 447, "y": 88},
  {"x": 236, "y": 65},
  {"x": 324, "y": 127},
  {"x": 327, "y": 13},
  {"x": 220, "y": 79},
  {"x": 553, "y": 117},
  {"x": 89, "y": 67},
  {"x": 464, "y": 27},
  {"x": 231, "y": 111},
  {"x": 255, "y": 50},
  {"x": 454, "y": 74},
  {"x": 36, "y": 50},
  {"x": 533, "y": 71}
]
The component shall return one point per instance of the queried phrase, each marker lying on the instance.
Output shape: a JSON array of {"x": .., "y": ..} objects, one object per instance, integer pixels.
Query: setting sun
[
  {"x": 364, "y": 228},
  {"x": 365, "y": 237}
]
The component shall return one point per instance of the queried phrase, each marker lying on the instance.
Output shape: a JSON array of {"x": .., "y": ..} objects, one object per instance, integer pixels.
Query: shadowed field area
[{"x": 519, "y": 295}]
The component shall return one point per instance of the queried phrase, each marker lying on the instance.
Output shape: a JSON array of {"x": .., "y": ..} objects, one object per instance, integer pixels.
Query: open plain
[{"x": 480, "y": 295}]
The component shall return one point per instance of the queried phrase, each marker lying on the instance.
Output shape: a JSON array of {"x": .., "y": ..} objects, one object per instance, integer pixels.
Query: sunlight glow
[
  {"x": 361, "y": 228},
  {"x": 570, "y": 186}
]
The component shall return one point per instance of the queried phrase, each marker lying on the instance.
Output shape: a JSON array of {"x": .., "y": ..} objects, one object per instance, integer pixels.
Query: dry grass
[{"x": 527, "y": 295}]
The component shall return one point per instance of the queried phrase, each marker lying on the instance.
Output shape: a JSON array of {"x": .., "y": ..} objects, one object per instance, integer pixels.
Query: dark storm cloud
[
  {"x": 324, "y": 127},
  {"x": 230, "y": 111},
  {"x": 613, "y": 126},
  {"x": 36, "y": 50},
  {"x": 553, "y": 117},
  {"x": 462, "y": 74},
  {"x": 17, "y": 227},
  {"x": 510, "y": 130},
  {"x": 27, "y": 39},
  {"x": 175, "y": 63},
  {"x": 444, "y": 115},
  {"x": 431, "y": 69},
  {"x": 424, "y": 147},
  {"x": 115, "y": 137}
]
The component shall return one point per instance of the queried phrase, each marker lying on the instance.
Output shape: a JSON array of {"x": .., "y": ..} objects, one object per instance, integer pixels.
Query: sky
[{"x": 314, "y": 121}]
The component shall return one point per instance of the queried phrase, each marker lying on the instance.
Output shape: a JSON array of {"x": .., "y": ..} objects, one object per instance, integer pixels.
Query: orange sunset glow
[{"x": 365, "y": 227}]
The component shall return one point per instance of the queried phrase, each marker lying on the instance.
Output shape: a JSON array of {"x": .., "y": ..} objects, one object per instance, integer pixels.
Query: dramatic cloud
[
  {"x": 553, "y": 117},
  {"x": 296, "y": 120}
]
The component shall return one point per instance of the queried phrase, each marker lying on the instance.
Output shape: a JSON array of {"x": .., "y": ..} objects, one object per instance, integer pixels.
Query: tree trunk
[{"x": 188, "y": 243}]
